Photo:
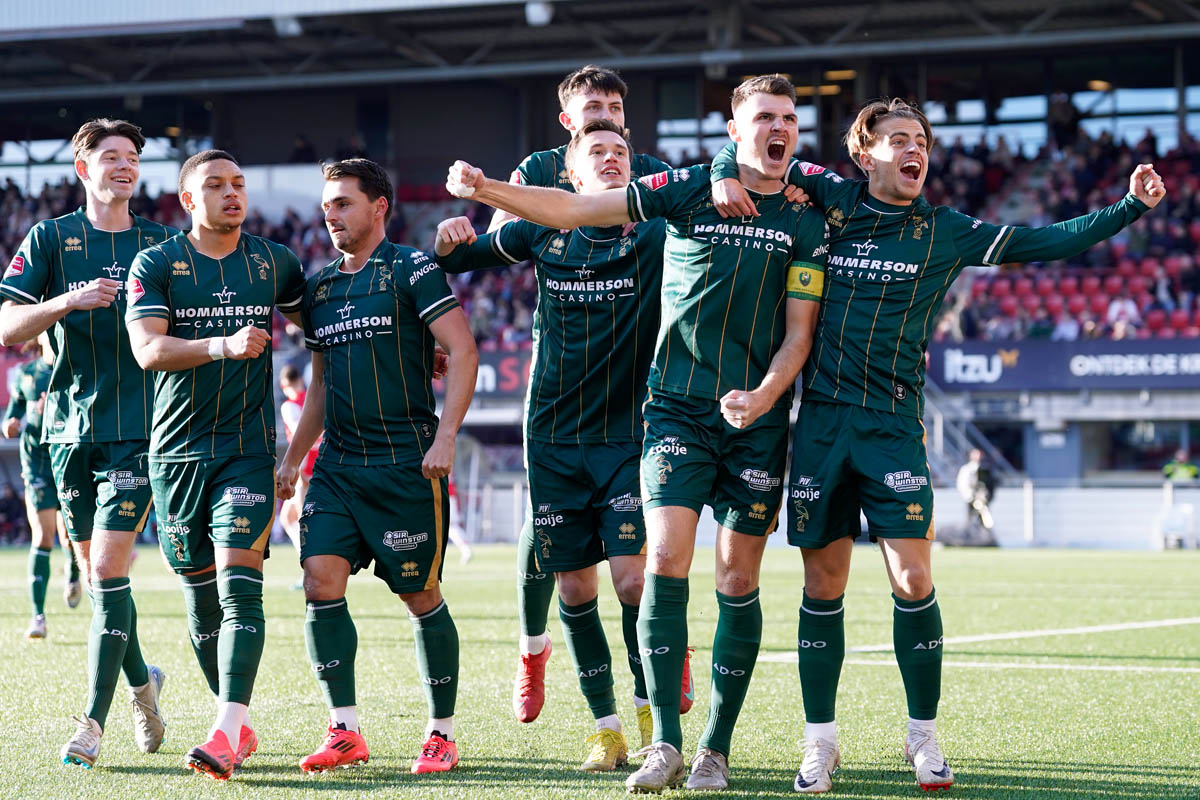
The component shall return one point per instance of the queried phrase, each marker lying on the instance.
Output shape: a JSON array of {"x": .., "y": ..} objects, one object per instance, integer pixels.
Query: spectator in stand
[
  {"x": 1181, "y": 467},
  {"x": 1063, "y": 117},
  {"x": 303, "y": 151},
  {"x": 13, "y": 525},
  {"x": 1122, "y": 309},
  {"x": 1040, "y": 325},
  {"x": 1066, "y": 328}
]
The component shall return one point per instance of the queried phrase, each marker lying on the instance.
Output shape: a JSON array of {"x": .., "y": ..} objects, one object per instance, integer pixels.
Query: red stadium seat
[
  {"x": 978, "y": 288},
  {"x": 1118, "y": 249},
  {"x": 1173, "y": 265},
  {"x": 1143, "y": 333},
  {"x": 1137, "y": 285},
  {"x": 1023, "y": 287},
  {"x": 1031, "y": 303},
  {"x": 1098, "y": 303},
  {"x": 1054, "y": 305},
  {"x": 1090, "y": 285},
  {"x": 1167, "y": 333},
  {"x": 1008, "y": 306},
  {"x": 1194, "y": 230},
  {"x": 1076, "y": 304},
  {"x": 1001, "y": 287},
  {"x": 1126, "y": 267},
  {"x": 1045, "y": 286},
  {"x": 1190, "y": 333},
  {"x": 1156, "y": 320},
  {"x": 1196, "y": 318},
  {"x": 1143, "y": 300},
  {"x": 1068, "y": 286},
  {"x": 1114, "y": 283},
  {"x": 1149, "y": 267},
  {"x": 1179, "y": 319}
]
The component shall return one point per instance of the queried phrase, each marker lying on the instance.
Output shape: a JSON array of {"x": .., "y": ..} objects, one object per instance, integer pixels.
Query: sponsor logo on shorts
[
  {"x": 127, "y": 508},
  {"x": 662, "y": 468},
  {"x": 173, "y": 529},
  {"x": 905, "y": 481},
  {"x": 552, "y": 519},
  {"x": 809, "y": 493},
  {"x": 914, "y": 512},
  {"x": 626, "y": 502},
  {"x": 758, "y": 511},
  {"x": 409, "y": 570},
  {"x": 759, "y": 480},
  {"x": 669, "y": 445},
  {"x": 627, "y": 531},
  {"x": 403, "y": 540},
  {"x": 241, "y": 525},
  {"x": 241, "y": 496},
  {"x": 68, "y": 494},
  {"x": 124, "y": 479},
  {"x": 543, "y": 508},
  {"x": 308, "y": 509}
]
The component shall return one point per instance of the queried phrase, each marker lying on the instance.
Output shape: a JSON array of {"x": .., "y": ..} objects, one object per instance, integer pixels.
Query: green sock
[
  {"x": 662, "y": 639},
  {"x": 133, "y": 665},
  {"x": 821, "y": 647},
  {"x": 534, "y": 587},
  {"x": 584, "y": 634},
  {"x": 332, "y": 641},
  {"x": 735, "y": 649},
  {"x": 917, "y": 636},
  {"x": 437, "y": 659},
  {"x": 39, "y": 578},
  {"x": 204, "y": 623},
  {"x": 243, "y": 630},
  {"x": 629, "y": 618},
  {"x": 107, "y": 642}
]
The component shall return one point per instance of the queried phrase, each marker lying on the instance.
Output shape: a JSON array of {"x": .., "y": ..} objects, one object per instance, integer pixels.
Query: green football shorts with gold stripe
[
  {"x": 692, "y": 457},
  {"x": 847, "y": 459},
  {"x": 101, "y": 485},
  {"x": 227, "y": 502},
  {"x": 586, "y": 503},
  {"x": 389, "y": 514}
]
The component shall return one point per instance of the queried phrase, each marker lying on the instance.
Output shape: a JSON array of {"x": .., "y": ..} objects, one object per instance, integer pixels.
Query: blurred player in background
[
  {"x": 859, "y": 443},
  {"x": 26, "y": 404},
  {"x": 200, "y": 316},
  {"x": 720, "y": 385},
  {"x": 458, "y": 533},
  {"x": 379, "y": 489},
  {"x": 292, "y": 384},
  {"x": 67, "y": 277}
]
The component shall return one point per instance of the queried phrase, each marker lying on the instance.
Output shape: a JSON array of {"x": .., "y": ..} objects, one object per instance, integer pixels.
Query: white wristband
[{"x": 216, "y": 348}]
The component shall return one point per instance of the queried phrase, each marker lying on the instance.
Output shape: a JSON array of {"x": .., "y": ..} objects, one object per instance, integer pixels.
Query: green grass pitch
[{"x": 1062, "y": 716}]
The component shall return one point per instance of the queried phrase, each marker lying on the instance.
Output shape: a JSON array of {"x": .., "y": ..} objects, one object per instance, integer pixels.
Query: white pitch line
[{"x": 785, "y": 658}]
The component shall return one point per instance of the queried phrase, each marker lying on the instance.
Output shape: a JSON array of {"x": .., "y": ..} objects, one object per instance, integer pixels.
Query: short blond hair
[
  {"x": 861, "y": 136},
  {"x": 775, "y": 84}
]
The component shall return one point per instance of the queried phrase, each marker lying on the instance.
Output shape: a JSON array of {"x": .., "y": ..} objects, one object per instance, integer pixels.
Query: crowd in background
[{"x": 1143, "y": 282}]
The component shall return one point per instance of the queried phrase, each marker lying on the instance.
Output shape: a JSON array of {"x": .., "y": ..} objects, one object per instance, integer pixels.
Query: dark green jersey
[
  {"x": 889, "y": 270},
  {"x": 98, "y": 393},
  {"x": 549, "y": 168},
  {"x": 725, "y": 281},
  {"x": 593, "y": 329},
  {"x": 33, "y": 380},
  {"x": 372, "y": 326},
  {"x": 226, "y": 407}
]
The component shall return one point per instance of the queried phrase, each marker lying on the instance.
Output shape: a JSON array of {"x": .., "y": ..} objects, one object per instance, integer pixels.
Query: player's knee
[
  {"x": 420, "y": 603},
  {"x": 737, "y": 582},
  {"x": 629, "y": 587},
  {"x": 913, "y": 583},
  {"x": 320, "y": 586}
]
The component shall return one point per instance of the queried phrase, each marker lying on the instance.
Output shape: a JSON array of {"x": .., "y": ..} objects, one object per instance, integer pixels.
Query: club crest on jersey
[
  {"x": 124, "y": 479},
  {"x": 150, "y": 241},
  {"x": 180, "y": 268},
  {"x": 663, "y": 468},
  {"x": 241, "y": 496},
  {"x": 403, "y": 540},
  {"x": 322, "y": 293},
  {"x": 15, "y": 267},
  {"x": 920, "y": 225},
  {"x": 385, "y": 275},
  {"x": 800, "y": 516},
  {"x": 72, "y": 244},
  {"x": 654, "y": 182},
  {"x": 544, "y": 542},
  {"x": 905, "y": 481},
  {"x": 115, "y": 271},
  {"x": 135, "y": 290},
  {"x": 263, "y": 266},
  {"x": 225, "y": 295}
]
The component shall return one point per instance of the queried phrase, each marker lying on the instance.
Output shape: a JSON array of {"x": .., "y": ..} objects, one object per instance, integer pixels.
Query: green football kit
[
  {"x": 212, "y": 436},
  {"x": 33, "y": 379},
  {"x": 96, "y": 417},
  {"x": 593, "y": 339}
]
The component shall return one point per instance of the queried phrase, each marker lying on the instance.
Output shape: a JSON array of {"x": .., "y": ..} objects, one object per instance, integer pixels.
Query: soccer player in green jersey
[
  {"x": 67, "y": 277},
  {"x": 858, "y": 442},
  {"x": 739, "y": 305},
  {"x": 379, "y": 489},
  {"x": 199, "y": 317},
  {"x": 594, "y": 327},
  {"x": 26, "y": 404}
]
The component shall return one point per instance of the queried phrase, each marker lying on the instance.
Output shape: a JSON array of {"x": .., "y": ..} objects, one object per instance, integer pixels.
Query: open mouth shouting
[
  {"x": 777, "y": 149},
  {"x": 911, "y": 168}
]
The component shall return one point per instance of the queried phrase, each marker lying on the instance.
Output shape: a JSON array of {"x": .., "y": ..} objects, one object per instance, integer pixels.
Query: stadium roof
[{"x": 70, "y": 50}]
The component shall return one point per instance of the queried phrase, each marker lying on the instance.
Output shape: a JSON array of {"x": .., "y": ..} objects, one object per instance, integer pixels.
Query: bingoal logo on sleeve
[{"x": 654, "y": 182}]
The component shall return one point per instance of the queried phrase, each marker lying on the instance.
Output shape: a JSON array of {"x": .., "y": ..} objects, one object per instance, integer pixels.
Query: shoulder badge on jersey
[
  {"x": 15, "y": 267},
  {"x": 136, "y": 292},
  {"x": 654, "y": 182},
  {"x": 808, "y": 168}
]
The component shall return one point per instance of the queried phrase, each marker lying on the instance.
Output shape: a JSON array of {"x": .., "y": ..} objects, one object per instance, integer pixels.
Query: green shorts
[
  {"x": 38, "y": 475},
  {"x": 389, "y": 514},
  {"x": 586, "y": 505},
  {"x": 847, "y": 459},
  {"x": 226, "y": 502},
  {"x": 101, "y": 485},
  {"x": 692, "y": 457}
]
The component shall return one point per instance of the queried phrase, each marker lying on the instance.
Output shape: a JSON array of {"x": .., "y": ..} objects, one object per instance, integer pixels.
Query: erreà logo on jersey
[
  {"x": 15, "y": 267},
  {"x": 654, "y": 182},
  {"x": 135, "y": 290}
]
